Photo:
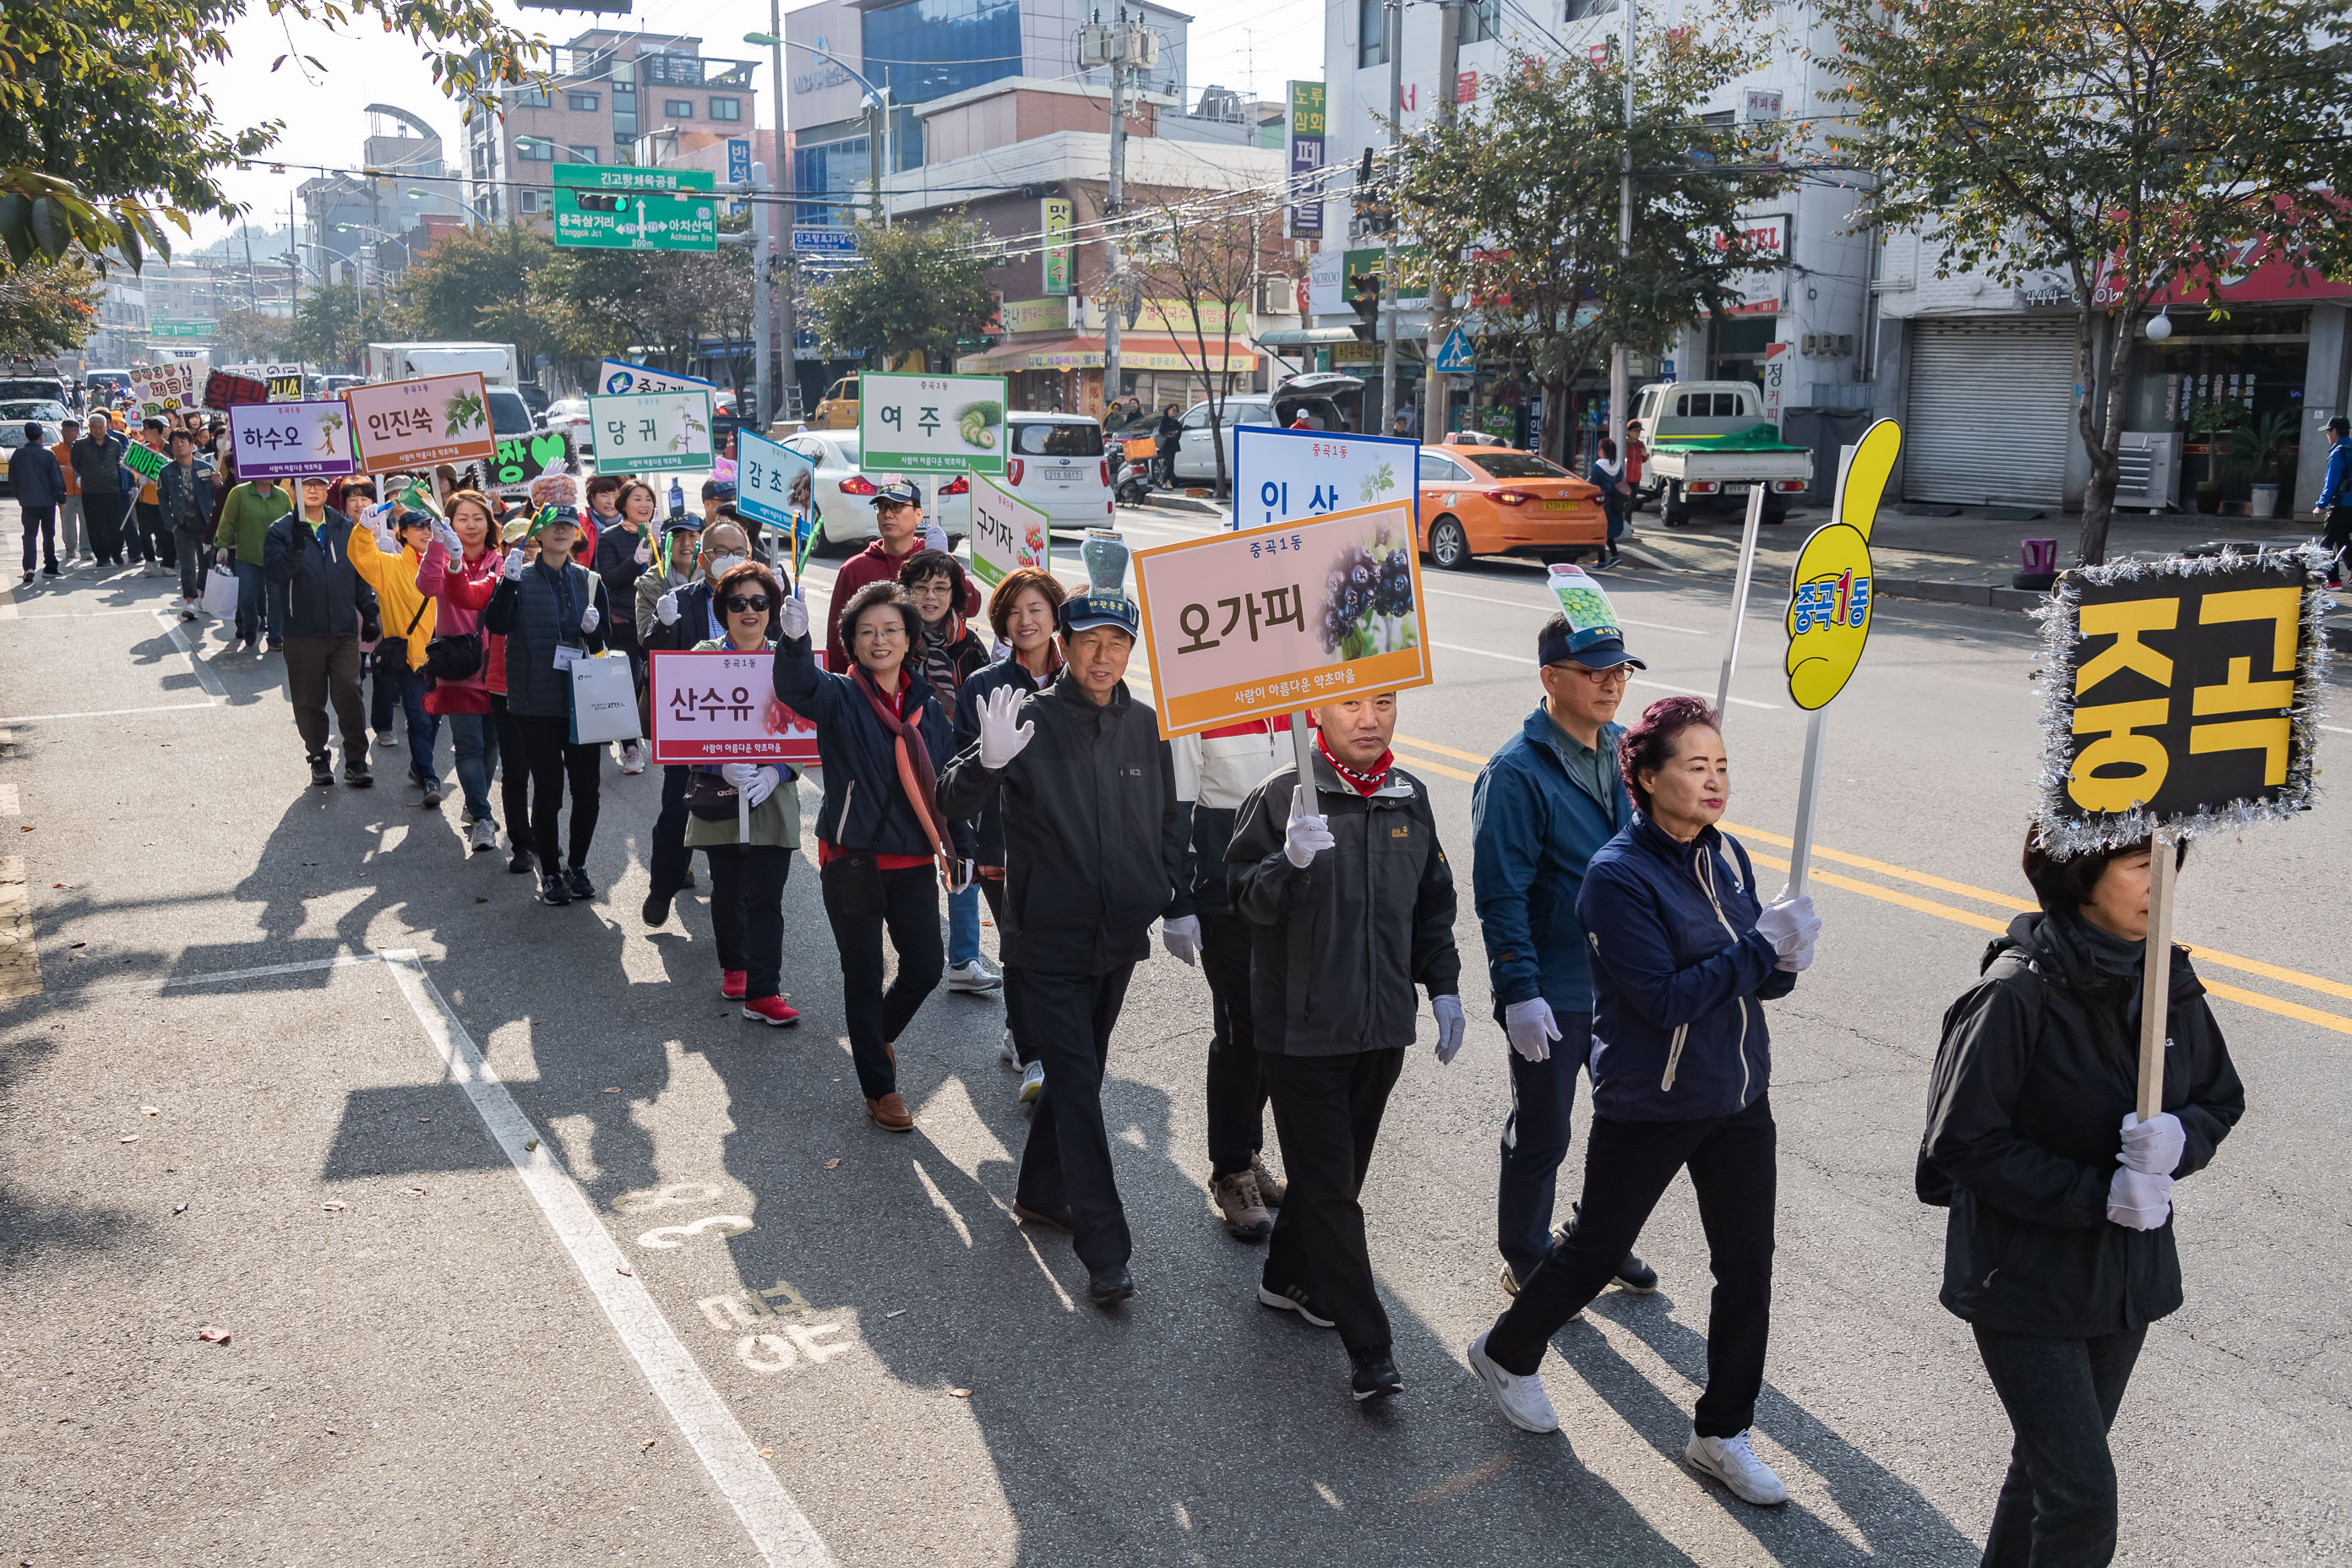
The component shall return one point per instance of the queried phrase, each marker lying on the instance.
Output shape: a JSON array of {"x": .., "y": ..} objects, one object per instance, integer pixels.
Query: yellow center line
[{"x": 1441, "y": 750}]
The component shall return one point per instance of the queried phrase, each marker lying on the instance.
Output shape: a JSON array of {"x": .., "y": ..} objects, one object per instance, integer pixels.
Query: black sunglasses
[{"x": 737, "y": 603}]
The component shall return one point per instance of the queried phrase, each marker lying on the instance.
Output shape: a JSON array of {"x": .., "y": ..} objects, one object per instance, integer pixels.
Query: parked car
[
  {"x": 569, "y": 416},
  {"x": 1057, "y": 462},
  {"x": 1708, "y": 441},
  {"x": 1314, "y": 395},
  {"x": 510, "y": 415},
  {"x": 14, "y": 414},
  {"x": 32, "y": 389},
  {"x": 1498, "y": 500},
  {"x": 838, "y": 409},
  {"x": 534, "y": 397},
  {"x": 844, "y": 496}
]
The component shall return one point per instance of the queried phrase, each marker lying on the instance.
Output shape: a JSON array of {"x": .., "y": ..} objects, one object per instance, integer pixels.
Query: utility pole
[
  {"x": 1128, "y": 45},
  {"x": 1621, "y": 389},
  {"x": 762, "y": 217},
  {"x": 1392, "y": 23},
  {"x": 1434, "y": 391},
  {"x": 780, "y": 224}
]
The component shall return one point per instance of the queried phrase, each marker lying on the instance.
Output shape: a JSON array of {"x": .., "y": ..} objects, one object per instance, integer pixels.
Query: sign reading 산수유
[
  {"x": 1271, "y": 620},
  {"x": 404, "y": 424},
  {"x": 720, "y": 706},
  {"x": 932, "y": 423},
  {"x": 1281, "y": 476},
  {"x": 1007, "y": 533},
  {"x": 652, "y": 432},
  {"x": 291, "y": 440}
]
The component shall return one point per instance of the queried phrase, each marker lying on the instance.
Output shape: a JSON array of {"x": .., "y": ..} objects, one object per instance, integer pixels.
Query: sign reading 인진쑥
[
  {"x": 932, "y": 423},
  {"x": 402, "y": 425},
  {"x": 291, "y": 440},
  {"x": 1281, "y": 476},
  {"x": 652, "y": 432},
  {"x": 1007, "y": 533},
  {"x": 774, "y": 484},
  {"x": 1271, "y": 620},
  {"x": 720, "y": 706}
]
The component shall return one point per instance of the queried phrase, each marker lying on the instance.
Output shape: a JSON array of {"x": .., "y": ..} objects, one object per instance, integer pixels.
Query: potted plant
[{"x": 2265, "y": 448}]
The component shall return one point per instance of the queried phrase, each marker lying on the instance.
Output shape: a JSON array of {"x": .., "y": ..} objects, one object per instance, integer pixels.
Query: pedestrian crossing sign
[{"x": 1456, "y": 357}]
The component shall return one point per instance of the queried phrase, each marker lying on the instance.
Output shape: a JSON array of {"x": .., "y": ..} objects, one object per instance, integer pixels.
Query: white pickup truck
[{"x": 1708, "y": 441}]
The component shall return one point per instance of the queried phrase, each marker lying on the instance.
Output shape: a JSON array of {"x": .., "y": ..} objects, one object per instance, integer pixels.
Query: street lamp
[{"x": 878, "y": 98}]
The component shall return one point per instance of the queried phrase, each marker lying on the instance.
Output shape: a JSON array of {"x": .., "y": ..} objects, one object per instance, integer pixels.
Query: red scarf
[{"x": 1364, "y": 784}]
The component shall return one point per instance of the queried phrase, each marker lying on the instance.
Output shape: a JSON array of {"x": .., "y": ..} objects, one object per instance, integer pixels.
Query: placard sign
[
  {"x": 290, "y": 440},
  {"x": 144, "y": 461},
  {"x": 398, "y": 425},
  {"x": 224, "y": 390},
  {"x": 1270, "y": 620},
  {"x": 521, "y": 460},
  {"x": 1007, "y": 533},
  {"x": 166, "y": 388},
  {"x": 1281, "y": 476},
  {"x": 721, "y": 707},
  {"x": 652, "y": 432},
  {"x": 774, "y": 484},
  {"x": 932, "y": 423},
  {"x": 616, "y": 376}
]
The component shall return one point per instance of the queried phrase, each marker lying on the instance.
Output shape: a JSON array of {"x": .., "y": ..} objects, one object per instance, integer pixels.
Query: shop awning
[{"x": 1136, "y": 352}]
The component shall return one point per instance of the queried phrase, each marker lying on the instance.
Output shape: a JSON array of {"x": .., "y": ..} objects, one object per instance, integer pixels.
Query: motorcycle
[{"x": 1130, "y": 478}]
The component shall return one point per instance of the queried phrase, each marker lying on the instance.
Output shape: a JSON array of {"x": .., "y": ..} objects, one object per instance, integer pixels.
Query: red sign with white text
[{"x": 720, "y": 706}]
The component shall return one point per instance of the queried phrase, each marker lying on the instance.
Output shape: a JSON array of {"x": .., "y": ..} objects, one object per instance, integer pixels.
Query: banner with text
[
  {"x": 404, "y": 424},
  {"x": 1281, "y": 476},
  {"x": 291, "y": 440},
  {"x": 1307, "y": 124},
  {"x": 652, "y": 432},
  {"x": 721, "y": 707},
  {"x": 1007, "y": 533},
  {"x": 167, "y": 388}
]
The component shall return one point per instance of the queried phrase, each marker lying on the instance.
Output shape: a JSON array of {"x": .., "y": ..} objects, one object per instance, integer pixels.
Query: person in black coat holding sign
[{"x": 2059, "y": 1250}]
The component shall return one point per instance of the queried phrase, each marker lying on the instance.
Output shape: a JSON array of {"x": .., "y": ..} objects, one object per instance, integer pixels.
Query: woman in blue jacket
[{"x": 1684, "y": 955}]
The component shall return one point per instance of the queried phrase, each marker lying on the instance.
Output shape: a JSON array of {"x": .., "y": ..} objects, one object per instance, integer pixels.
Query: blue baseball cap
[
  {"x": 1087, "y": 611},
  {"x": 899, "y": 492}
]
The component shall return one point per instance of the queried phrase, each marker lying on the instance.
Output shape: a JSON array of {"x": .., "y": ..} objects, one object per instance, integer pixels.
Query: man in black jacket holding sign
[{"x": 1093, "y": 838}]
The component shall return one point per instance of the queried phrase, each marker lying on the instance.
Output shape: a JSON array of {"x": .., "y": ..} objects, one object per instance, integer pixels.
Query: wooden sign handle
[{"x": 2155, "y": 979}]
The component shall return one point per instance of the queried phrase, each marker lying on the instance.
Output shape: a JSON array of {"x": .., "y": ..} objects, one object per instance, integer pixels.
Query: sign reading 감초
[{"x": 774, "y": 484}]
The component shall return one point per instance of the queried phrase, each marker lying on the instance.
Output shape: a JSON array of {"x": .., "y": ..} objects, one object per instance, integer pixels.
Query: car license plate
[{"x": 1559, "y": 506}]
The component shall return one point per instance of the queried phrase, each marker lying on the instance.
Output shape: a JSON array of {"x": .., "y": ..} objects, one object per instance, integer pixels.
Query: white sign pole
[
  {"x": 1302, "y": 741},
  {"x": 1809, "y": 797},
  {"x": 1739, "y": 600},
  {"x": 2156, "y": 977}
]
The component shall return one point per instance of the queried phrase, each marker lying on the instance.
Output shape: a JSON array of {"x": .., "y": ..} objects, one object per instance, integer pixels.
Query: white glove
[
  {"x": 756, "y": 783},
  {"x": 386, "y": 541},
  {"x": 2138, "y": 1200},
  {"x": 1532, "y": 1028},
  {"x": 220, "y": 557},
  {"x": 2153, "y": 1147},
  {"x": 935, "y": 538},
  {"x": 1798, "y": 961},
  {"x": 666, "y": 608},
  {"x": 1001, "y": 739},
  {"x": 1181, "y": 935},
  {"x": 1306, "y": 835},
  {"x": 645, "y": 553},
  {"x": 793, "y": 618},
  {"x": 1447, "y": 1010},
  {"x": 739, "y": 774},
  {"x": 1789, "y": 923},
  {"x": 448, "y": 538},
  {"x": 513, "y": 569},
  {"x": 588, "y": 619}
]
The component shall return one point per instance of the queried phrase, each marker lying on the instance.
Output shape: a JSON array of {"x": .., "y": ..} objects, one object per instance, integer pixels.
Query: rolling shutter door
[{"x": 1992, "y": 412}]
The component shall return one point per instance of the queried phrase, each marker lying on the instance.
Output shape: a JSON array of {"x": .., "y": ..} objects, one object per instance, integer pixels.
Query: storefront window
[
  {"x": 1736, "y": 347},
  {"x": 2212, "y": 379}
]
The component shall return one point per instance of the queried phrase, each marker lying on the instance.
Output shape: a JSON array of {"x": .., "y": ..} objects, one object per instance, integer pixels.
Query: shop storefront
[{"x": 1065, "y": 372}]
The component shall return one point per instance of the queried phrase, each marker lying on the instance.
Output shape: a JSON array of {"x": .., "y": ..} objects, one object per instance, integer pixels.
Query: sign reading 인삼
[
  {"x": 616, "y": 376},
  {"x": 1281, "y": 476},
  {"x": 1053, "y": 223},
  {"x": 598, "y": 207},
  {"x": 720, "y": 706},
  {"x": 652, "y": 432},
  {"x": 401, "y": 425},
  {"x": 291, "y": 440},
  {"x": 1270, "y": 620},
  {"x": 932, "y": 423},
  {"x": 774, "y": 484},
  {"x": 1007, "y": 533}
]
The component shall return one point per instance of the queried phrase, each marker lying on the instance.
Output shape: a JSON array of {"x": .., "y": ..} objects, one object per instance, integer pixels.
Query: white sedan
[
  {"x": 844, "y": 496},
  {"x": 569, "y": 416}
]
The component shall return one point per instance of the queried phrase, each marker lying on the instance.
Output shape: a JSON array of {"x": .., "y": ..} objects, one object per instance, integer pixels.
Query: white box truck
[{"x": 414, "y": 360}]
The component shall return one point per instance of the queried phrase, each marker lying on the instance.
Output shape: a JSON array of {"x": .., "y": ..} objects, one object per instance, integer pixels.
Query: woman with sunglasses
[
  {"x": 882, "y": 738},
  {"x": 748, "y": 872}
]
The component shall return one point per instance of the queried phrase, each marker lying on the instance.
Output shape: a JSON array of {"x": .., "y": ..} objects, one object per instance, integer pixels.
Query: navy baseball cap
[
  {"x": 1586, "y": 631},
  {"x": 899, "y": 492},
  {"x": 1088, "y": 611},
  {"x": 1598, "y": 653}
]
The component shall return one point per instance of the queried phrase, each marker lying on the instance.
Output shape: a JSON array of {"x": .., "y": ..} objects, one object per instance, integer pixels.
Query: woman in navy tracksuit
[{"x": 1684, "y": 955}]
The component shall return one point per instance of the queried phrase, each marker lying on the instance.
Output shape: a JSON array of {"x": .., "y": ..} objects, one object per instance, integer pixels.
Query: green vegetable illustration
[
  {"x": 463, "y": 412},
  {"x": 331, "y": 430},
  {"x": 974, "y": 422},
  {"x": 1377, "y": 483}
]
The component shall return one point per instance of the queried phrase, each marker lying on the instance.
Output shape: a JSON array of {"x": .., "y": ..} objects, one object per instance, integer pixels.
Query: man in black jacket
[
  {"x": 39, "y": 484},
  {"x": 309, "y": 551},
  {"x": 1350, "y": 903},
  {"x": 1093, "y": 839},
  {"x": 97, "y": 464}
]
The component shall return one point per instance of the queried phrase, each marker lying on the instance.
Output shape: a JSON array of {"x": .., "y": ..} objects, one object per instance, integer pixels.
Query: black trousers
[
  {"x": 2057, "y": 1509},
  {"x": 747, "y": 912},
  {"x": 514, "y": 769},
  {"x": 150, "y": 539},
  {"x": 103, "y": 514},
  {"x": 1066, "y": 1168},
  {"x": 911, "y": 913},
  {"x": 1327, "y": 1110},
  {"x": 548, "y": 752},
  {"x": 671, "y": 857},
  {"x": 320, "y": 670},
  {"x": 1236, "y": 1090},
  {"x": 2337, "y": 538},
  {"x": 1627, "y": 1165},
  {"x": 1535, "y": 1140},
  {"x": 40, "y": 530},
  {"x": 991, "y": 888}
]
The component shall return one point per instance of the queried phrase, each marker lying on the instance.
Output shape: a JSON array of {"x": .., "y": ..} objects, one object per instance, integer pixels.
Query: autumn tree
[
  {"x": 1199, "y": 260},
  {"x": 921, "y": 290},
  {"x": 46, "y": 308}
]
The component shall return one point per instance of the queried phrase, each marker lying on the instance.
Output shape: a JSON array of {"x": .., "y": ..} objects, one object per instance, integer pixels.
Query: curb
[
  {"x": 1184, "y": 503},
  {"x": 1990, "y": 595}
]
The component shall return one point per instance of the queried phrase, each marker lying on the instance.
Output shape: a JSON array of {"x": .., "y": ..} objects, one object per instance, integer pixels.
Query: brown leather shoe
[{"x": 890, "y": 1114}]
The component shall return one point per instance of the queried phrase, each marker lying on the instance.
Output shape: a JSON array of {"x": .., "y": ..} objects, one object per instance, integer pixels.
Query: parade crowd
[{"x": 993, "y": 753}]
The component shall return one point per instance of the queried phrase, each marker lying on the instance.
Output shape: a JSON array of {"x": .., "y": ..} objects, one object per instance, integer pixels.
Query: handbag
[
  {"x": 457, "y": 656},
  {"x": 603, "y": 701},
  {"x": 390, "y": 655},
  {"x": 220, "y": 594},
  {"x": 709, "y": 796}
]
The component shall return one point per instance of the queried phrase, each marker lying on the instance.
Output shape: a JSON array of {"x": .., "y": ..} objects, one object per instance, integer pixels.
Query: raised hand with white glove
[
  {"x": 644, "y": 553},
  {"x": 935, "y": 538},
  {"x": 1307, "y": 836},
  {"x": 1798, "y": 961},
  {"x": 1447, "y": 1010},
  {"x": 791, "y": 618},
  {"x": 588, "y": 619},
  {"x": 2153, "y": 1147},
  {"x": 1002, "y": 737},
  {"x": 1532, "y": 1028},
  {"x": 666, "y": 608},
  {"x": 447, "y": 537},
  {"x": 513, "y": 569},
  {"x": 1181, "y": 935},
  {"x": 1789, "y": 924},
  {"x": 2137, "y": 1200}
]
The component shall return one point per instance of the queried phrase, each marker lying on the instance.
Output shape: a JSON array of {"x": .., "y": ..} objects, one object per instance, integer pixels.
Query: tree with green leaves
[
  {"x": 334, "y": 326},
  {"x": 485, "y": 283},
  {"x": 2132, "y": 146},
  {"x": 1524, "y": 191},
  {"x": 922, "y": 288},
  {"x": 242, "y": 335},
  {"x": 46, "y": 307},
  {"x": 107, "y": 133}
]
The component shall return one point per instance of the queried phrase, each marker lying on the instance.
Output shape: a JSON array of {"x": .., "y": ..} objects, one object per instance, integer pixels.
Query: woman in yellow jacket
[{"x": 387, "y": 561}]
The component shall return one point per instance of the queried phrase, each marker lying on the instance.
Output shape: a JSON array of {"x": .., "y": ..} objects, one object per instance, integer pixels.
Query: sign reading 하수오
[
  {"x": 1281, "y": 476},
  {"x": 652, "y": 432},
  {"x": 618, "y": 375},
  {"x": 1274, "y": 619},
  {"x": 290, "y": 440},
  {"x": 1007, "y": 533},
  {"x": 774, "y": 484},
  {"x": 721, "y": 707},
  {"x": 932, "y": 423},
  {"x": 400, "y": 424}
]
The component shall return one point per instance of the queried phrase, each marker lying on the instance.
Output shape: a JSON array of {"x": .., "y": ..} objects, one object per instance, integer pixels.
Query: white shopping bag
[
  {"x": 220, "y": 594},
  {"x": 603, "y": 701}
]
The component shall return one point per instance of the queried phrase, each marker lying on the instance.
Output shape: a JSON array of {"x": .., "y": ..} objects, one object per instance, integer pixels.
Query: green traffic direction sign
[
  {"x": 180, "y": 329},
  {"x": 600, "y": 207}
]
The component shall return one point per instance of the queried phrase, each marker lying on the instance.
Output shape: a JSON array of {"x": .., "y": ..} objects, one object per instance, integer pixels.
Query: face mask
[{"x": 723, "y": 565}]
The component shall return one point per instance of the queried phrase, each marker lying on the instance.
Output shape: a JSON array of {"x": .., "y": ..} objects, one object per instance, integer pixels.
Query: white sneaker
[
  {"x": 633, "y": 759},
  {"x": 1033, "y": 1082},
  {"x": 483, "y": 835},
  {"x": 1522, "y": 1400},
  {"x": 1005, "y": 1052},
  {"x": 973, "y": 977},
  {"x": 1734, "y": 1463}
]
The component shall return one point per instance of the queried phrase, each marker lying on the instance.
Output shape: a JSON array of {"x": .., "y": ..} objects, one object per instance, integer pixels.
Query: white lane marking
[
  {"x": 2334, "y": 730},
  {"x": 225, "y": 976},
  {"x": 83, "y": 615},
  {"x": 204, "y": 677},
  {"x": 104, "y": 712},
  {"x": 1654, "y": 685},
  {"x": 773, "y": 1520},
  {"x": 1554, "y": 607}
]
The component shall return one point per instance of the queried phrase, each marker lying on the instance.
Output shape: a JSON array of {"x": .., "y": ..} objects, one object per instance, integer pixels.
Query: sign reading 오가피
[
  {"x": 774, "y": 484},
  {"x": 1282, "y": 475},
  {"x": 1007, "y": 533},
  {"x": 401, "y": 425},
  {"x": 1274, "y": 619},
  {"x": 932, "y": 423},
  {"x": 652, "y": 432},
  {"x": 290, "y": 440},
  {"x": 721, "y": 707},
  {"x": 618, "y": 375}
]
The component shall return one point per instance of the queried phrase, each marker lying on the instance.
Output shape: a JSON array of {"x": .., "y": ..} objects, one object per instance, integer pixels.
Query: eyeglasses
[
  {"x": 1615, "y": 675},
  {"x": 737, "y": 603}
]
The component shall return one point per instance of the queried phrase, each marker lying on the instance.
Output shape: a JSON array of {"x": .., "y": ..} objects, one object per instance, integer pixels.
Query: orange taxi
[{"x": 1499, "y": 501}]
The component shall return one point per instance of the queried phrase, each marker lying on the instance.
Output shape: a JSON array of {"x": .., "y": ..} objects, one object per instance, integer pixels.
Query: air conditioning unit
[
  {"x": 1276, "y": 297},
  {"x": 2145, "y": 464}
]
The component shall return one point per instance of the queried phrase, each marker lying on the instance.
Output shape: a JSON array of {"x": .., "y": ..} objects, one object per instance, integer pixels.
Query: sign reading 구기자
[{"x": 599, "y": 207}]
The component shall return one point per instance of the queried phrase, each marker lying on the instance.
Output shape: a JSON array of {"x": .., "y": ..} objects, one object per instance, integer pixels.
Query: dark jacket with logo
[
  {"x": 325, "y": 596},
  {"x": 1680, "y": 975},
  {"x": 866, "y": 807},
  {"x": 1093, "y": 831},
  {"x": 1535, "y": 827},
  {"x": 99, "y": 464},
  {"x": 1336, "y": 949},
  {"x": 2038, "y": 1066},
  {"x": 989, "y": 826},
  {"x": 534, "y": 613}
]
